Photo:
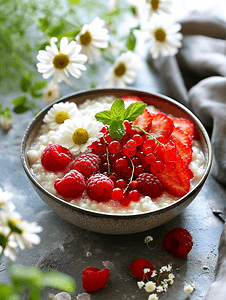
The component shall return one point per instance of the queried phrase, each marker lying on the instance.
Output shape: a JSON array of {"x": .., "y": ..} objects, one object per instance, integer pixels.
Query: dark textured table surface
[{"x": 69, "y": 249}]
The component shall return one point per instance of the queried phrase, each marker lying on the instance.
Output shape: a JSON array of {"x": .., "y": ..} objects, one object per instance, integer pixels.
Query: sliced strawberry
[
  {"x": 185, "y": 125},
  {"x": 176, "y": 181},
  {"x": 183, "y": 144},
  {"x": 161, "y": 124},
  {"x": 144, "y": 121},
  {"x": 93, "y": 279},
  {"x": 131, "y": 98}
]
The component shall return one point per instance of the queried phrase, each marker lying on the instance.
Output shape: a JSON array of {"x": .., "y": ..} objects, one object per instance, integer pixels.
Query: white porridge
[{"x": 47, "y": 136}]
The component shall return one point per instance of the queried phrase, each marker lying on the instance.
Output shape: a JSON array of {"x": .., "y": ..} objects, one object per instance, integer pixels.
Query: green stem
[
  {"x": 148, "y": 134},
  {"x": 108, "y": 161},
  {"x": 131, "y": 177}
]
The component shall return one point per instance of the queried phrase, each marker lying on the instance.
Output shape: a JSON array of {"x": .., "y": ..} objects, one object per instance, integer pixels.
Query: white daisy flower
[
  {"x": 10, "y": 247},
  {"x": 59, "y": 113},
  {"x": 188, "y": 289},
  {"x": 6, "y": 123},
  {"x": 4, "y": 197},
  {"x": 150, "y": 286},
  {"x": 158, "y": 6},
  {"x": 23, "y": 233},
  {"x": 124, "y": 70},
  {"x": 60, "y": 64},
  {"x": 92, "y": 38},
  {"x": 153, "y": 297},
  {"x": 51, "y": 93},
  {"x": 164, "y": 36},
  {"x": 79, "y": 133}
]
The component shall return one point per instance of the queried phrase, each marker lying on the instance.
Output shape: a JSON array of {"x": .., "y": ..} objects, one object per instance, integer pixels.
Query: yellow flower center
[
  {"x": 160, "y": 35},
  {"x": 61, "y": 116},
  {"x": 80, "y": 136},
  {"x": 120, "y": 70},
  {"x": 154, "y": 4},
  {"x": 49, "y": 94},
  {"x": 85, "y": 38},
  {"x": 61, "y": 61}
]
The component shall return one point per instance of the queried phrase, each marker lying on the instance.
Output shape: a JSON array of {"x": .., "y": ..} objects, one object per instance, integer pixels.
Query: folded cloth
[
  {"x": 196, "y": 77},
  {"x": 217, "y": 290}
]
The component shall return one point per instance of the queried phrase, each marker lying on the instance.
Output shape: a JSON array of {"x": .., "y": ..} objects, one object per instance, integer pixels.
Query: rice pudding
[{"x": 52, "y": 132}]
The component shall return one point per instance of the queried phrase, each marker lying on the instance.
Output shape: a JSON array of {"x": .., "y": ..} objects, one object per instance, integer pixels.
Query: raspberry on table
[
  {"x": 93, "y": 279},
  {"x": 99, "y": 187},
  {"x": 178, "y": 242},
  {"x": 137, "y": 268},
  {"x": 72, "y": 185},
  {"x": 149, "y": 185},
  {"x": 56, "y": 157},
  {"x": 87, "y": 164}
]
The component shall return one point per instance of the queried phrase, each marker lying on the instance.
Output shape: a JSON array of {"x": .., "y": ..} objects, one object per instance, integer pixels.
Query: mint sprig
[{"x": 116, "y": 116}]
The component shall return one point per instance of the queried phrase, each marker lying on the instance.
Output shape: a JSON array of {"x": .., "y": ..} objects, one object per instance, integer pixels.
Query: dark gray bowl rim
[{"x": 115, "y": 215}]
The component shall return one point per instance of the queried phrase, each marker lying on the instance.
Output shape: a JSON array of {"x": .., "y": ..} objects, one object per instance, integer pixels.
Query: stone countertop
[{"x": 69, "y": 249}]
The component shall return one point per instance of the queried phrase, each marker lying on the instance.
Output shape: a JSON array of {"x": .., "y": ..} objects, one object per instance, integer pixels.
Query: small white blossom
[
  {"x": 140, "y": 284},
  {"x": 171, "y": 276},
  {"x": 4, "y": 198},
  {"x": 154, "y": 273},
  {"x": 164, "y": 35},
  {"x": 153, "y": 297},
  {"x": 51, "y": 93},
  {"x": 150, "y": 286},
  {"x": 92, "y": 38},
  {"x": 148, "y": 239},
  {"x": 59, "y": 64},
  {"x": 6, "y": 123},
  {"x": 163, "y": 269},
  {"x": 189, "y": 288},
  {"x": 169, "y": 268},
  {"x": 159, "y": 289},
  {"x": 146, "y": 270},
  {"x": 124, "y": 70}
]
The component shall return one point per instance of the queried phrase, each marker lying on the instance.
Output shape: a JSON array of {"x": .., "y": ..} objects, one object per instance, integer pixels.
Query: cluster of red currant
[{"x": 128, "y": 160}]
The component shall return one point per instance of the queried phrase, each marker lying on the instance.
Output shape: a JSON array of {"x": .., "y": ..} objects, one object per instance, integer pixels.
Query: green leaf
[
  {"x": 44, "y": 23},
  {"x": 134, "y": 110},
  {"x": 70, "y": 34},
  {"x": 58, "y": 280},
  {"x": 20, "y": 109},
  {"x": 25, "y": 82},
  {"x": 19, "y": 100},
  {"x": 104, "y": 116},
  {"x": 131, "y": 41},
  {"x": 6, "y": 291},
  {"x": 38, "y": 86},
  {"x": 56, "y": 30},
  {"x": 117, "y": 129},
  {"x": 118, "y": 109},
  {"x": 43, "y": 45},
  {"x": 74, "y": 1}
]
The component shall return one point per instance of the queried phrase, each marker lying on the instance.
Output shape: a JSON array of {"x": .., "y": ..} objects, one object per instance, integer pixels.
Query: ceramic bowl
[{"x": 117, "y": 223}]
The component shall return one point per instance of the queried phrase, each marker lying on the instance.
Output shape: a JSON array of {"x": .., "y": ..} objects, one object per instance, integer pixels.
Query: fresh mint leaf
[
  {"x": 118, "y": 109},
  {"x": 104, "y": 117},
  {"x": 21, "y": 100},
  {"x": 58, "y": 280},
  {"x": 134, "y": 110},
  {"x": 117, "y": 129}
]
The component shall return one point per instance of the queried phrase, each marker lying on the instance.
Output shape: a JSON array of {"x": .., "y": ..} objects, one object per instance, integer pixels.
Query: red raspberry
[
  {"x": 71, "y": 185},
  {"x": 55, "y": 157},
  {"x": 178, "y": 241},
  {"x": 137, "y": 268},
  {"x": 93, "y": 279},
  {"x": 149, "y": 185},
  {"x": 99, "y": 187},
  {"x": 87, "y": 164}
]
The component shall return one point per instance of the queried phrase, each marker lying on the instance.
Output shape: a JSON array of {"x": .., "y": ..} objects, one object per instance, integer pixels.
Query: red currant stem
[
  {"x": 108, "y": 162},
  {"x": 148, "y": 134},
  {"x": 131, "y": 177}
]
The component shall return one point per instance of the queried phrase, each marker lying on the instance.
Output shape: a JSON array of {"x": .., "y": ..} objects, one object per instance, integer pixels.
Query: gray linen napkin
[{"x": 196, "y": 77}]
